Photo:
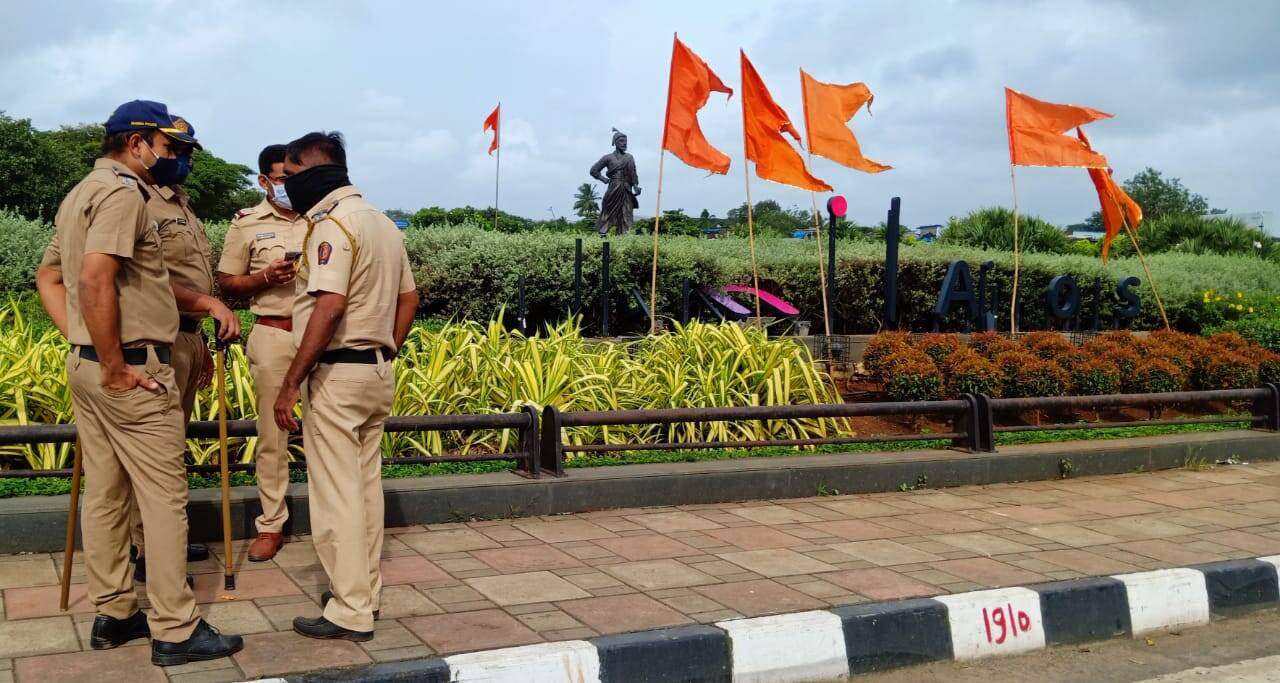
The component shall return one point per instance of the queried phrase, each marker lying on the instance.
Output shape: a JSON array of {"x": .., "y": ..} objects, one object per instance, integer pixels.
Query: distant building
[
  {"x": 928, "y": 233},
  {"x": 1263, "y": 220},
  {"x": 1088, "y": 235}
]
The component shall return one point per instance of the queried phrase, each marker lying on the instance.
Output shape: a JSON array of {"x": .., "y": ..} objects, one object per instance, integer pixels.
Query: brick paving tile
[
  {"x": 1170, "y": 551},
  {"x": 529, "y": 559},
  {"x": 389, "y": 635},
  {"x": 593, "y": 580},
  {"x": 400, "y": 654},
  {"x": 818, "y": 589},
  {"x": 1174, "y": 499},
  {"x": 212, "y": 676},
  {"x": 1139, "y": 528},
  {"x": 754, "y": 598},
  {"x": 756, "y": 537},
  {"x": 1245, "y": 540},
  {"x": 237, "y": 617},
  {"x": 452, "y": 595},
  {"x": 405, "y": 601},
  {"x": 618, "y": 525},
  {"x": 692, "y": 604},
  {"x": 1221, "y": 518},
  {"x": 623, "y": 613},
  {"x": 32, "y": 571},
  {"x": 452, "y": 541},
  {"x": 983, "y": 543},
  {"x": 551, "y": 620},
  {"x": 855, "y": 530},
  {"x": 858, "y": 509},
  {"x": 715, "y": 616},
  {"x": 260, "y": 583},
  {"x": 717, "y": 568},
  {"x": 271, "y": 654},
  {"x": 300, "y": 554},
  {"x": 1116, "y": 508},
  {"x": 1085, "y": 562},
  {"x": 654, "y": 574},
  {"x": 881, "y": 584},
  {"x": 946, "y": 501},
  {"x": 466, "y": 564},
  {"x": 1028, "y": 514},
  {"x": 1071, "y": 535},
  {"x": 516, "y": 589},
  {"x": 947, "y": 521},
  {"x": 589, "y": 552},
  {"x": 131, "y": 663},
  {"x": 884, "y": 552},
  {"x": 778, "y": 562},
  {"x": 480, "y": 630},
  {"x": 504, "y": 533},
  {"x": 567, "y": 530},
  {"x": 412, "y": 569},
  {"x": 988, "y": 572},
  {"x": 774, "y": 515},
  {"x": 648, "y": 547},
  {"x": 281, "y": 616},
  {"x": 42, "y": 601},
  {"x": 668, "y": 522}
]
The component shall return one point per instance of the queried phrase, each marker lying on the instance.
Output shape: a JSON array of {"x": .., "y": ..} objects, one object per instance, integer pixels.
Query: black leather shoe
[
  {"x": 109, "y": 632},
  {"x": 324, "y": 629},
  {"x": 197, "y": 552},
  {"x": 204, "y": 644},
  {"x": 326, "y": 596}
]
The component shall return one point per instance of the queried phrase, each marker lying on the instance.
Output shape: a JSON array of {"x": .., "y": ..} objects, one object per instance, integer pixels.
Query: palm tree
[{"x": 586, "y": 203}]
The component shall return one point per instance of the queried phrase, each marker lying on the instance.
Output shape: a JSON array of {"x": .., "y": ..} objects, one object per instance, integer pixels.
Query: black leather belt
[
  {"x": 365, "y": 356},
  {"x": 189, "y": 325},
  {"x": 132, "y": 356}
]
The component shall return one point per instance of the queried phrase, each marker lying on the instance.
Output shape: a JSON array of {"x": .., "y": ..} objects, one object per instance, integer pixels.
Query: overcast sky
[{"x": 1194, "y": 86}]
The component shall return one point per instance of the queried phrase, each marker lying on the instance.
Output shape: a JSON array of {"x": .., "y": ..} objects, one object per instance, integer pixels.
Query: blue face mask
[{"x": 169, "y": 171}]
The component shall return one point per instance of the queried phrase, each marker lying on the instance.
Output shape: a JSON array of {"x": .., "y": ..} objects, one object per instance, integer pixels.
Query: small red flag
[{"x": 492, "y": 122}]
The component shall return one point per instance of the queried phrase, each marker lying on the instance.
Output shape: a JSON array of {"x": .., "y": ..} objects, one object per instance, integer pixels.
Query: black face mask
[{"x": 307, "y": 188}]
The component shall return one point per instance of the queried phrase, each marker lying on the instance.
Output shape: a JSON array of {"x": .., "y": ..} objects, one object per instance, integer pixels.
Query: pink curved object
[
  {"x": 729, "y": 304},
  {"x": 773, "y": 301}
]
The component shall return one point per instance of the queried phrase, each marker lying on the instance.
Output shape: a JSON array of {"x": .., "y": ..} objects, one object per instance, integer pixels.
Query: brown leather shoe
[{"x": 265, "y": 546}]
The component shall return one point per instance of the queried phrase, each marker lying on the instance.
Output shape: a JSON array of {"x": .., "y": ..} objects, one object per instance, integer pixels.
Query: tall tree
[
  {"x": 35, "y": 173},
  {"x": 586, "y": 203},
  {"x": 219, "y": 188},
  {"x": 1159, "y": 197}
]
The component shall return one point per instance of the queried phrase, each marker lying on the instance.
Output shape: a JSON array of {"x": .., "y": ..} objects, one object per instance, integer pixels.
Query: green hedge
[{"x": 467, "y": 272}]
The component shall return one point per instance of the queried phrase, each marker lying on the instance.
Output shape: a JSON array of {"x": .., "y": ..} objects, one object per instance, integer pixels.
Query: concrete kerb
[
  {"x": 38, "y": 523},
  {"x": 831, "y": 644}
]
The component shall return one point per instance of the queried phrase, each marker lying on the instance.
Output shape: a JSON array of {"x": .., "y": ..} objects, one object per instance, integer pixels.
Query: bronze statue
[{"x": 623, "y": 187}]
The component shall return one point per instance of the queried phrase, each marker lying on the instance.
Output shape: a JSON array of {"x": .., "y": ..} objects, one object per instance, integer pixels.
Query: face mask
[
  {"x": 165, "y": 171},
  {"x": 280, "y": 196},
  {"x": 307, "y": 188}
]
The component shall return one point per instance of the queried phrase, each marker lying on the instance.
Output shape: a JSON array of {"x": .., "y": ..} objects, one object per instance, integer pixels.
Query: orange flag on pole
[
  {"x": 1117, "y": 205},
  {"x": 1037, "y": 132},
  {"x": 828, "y": 108},
  {"x": 688, "y": 90},
  {"x": 491, "y": 122},
  {"x": 763, "y": 123}
]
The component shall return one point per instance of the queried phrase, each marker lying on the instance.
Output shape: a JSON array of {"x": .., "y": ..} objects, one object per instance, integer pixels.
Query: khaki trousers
[
  {"x": 270, "y": 351},
  {"x": 133, "y": 445},
  {"x": 187, "y": 356},
  {"x": 344, "y": 407}
]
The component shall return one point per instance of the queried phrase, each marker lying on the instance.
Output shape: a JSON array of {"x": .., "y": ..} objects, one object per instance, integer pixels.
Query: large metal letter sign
[
  {"x": 957, "y": 289},
  {"x": 1063, "y": 299},
  {"x": 1132, "y": 306}
]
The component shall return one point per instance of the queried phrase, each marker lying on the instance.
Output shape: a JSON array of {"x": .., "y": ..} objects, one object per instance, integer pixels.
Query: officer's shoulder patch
[
  {"x": 323, "y": 252},
  {"x": 244, "y": 212}
]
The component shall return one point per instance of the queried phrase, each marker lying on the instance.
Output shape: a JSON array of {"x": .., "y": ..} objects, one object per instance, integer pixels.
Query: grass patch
[{"x": 52, "y": 486}]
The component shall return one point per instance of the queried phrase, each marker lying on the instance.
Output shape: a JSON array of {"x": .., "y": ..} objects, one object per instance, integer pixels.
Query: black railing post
[
  {"x": 984, "y": 421},
  {"x": 604, "y": 290},
  {"x": 1268, "y": 408},
  {"x": 685, "y": 287},
  {"x": 551, "y": 455},
  {"x": 577, "y": 276},
  {"x": 966, "y": 423},
  {"x": 522, "y": 313},
  {"x": 530, "y": 443}
]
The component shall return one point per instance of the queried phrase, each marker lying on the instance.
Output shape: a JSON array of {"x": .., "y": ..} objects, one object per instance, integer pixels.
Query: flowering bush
[
  {"x": 1047, "y": 345},
  {"x": 991, "y": 344},
  {"x": 912, "y": 376},
  {"x": 939, "y": 346},
  {"x": 970, "y": 373},
  {"x": 1094, "y": 377},
  {"x": 1157, "y": 375},
  {"x": 881, "y": 348}
]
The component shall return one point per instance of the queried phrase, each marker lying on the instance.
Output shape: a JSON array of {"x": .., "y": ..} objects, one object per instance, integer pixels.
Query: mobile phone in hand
[{"x": 291, "y": 256}]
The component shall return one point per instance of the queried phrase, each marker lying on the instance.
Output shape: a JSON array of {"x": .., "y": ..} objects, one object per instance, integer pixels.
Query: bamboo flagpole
[
  {"x": 657, "y": 210},
  {"x": 746, "y": 179},
  {"x": 73, "y": 517},
  {"x": 497, "y": 166},
  {"x": 1013, "y": 303},
  {"x": 1133, "y": 235}
]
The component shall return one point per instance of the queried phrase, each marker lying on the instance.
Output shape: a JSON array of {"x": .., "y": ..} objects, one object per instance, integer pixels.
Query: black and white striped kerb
[{"x": 831, "y": 644}]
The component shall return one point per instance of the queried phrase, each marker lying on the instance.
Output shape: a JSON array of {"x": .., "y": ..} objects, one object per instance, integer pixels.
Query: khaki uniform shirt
[
  {"x": 353, "y": 249},
  {"x": 186, "y": 247},
  {"x": 257, "y": 237},
  {"x": 106, "y": 213}
]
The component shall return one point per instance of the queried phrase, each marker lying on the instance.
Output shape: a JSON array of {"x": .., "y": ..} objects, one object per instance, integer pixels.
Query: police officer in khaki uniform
[
  {"x": 355, "y": 305},
  {"x": 188, "y": 258},
  {"x": 121, "y": 319},
  {"x": 258, "y": 263}
]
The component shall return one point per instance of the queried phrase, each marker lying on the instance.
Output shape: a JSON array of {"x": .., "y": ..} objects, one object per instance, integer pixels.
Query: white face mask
[{"x": 280, "y": 197}]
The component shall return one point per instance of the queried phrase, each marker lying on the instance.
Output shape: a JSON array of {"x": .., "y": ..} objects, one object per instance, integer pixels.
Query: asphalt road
[{"x": 1239, "y": 650}]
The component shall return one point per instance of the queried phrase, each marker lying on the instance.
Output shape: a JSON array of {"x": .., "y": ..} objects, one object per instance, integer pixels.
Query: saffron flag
[
  {"x": 688, "y": 90},
  {"x": 1037, "y": 132},
  {"x": 1117, "y": 205},
  {"x": 763, "y": 123},
  {"x": 492, "y": 123},
  {"x": 828, "y": 108}
]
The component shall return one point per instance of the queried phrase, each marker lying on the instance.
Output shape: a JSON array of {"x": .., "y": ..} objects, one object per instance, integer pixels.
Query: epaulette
[
  {"x": 126, "y": 179},
  {"x": 243, "y": 212},
  {"x": 324, "y": 213}
]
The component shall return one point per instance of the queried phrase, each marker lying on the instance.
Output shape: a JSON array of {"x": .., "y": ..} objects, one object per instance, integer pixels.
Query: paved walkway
[{"x": 468, "y": 586}]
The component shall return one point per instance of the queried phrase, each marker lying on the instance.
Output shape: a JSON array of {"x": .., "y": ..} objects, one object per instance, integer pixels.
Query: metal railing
[{"x": 543, "y": 447}]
